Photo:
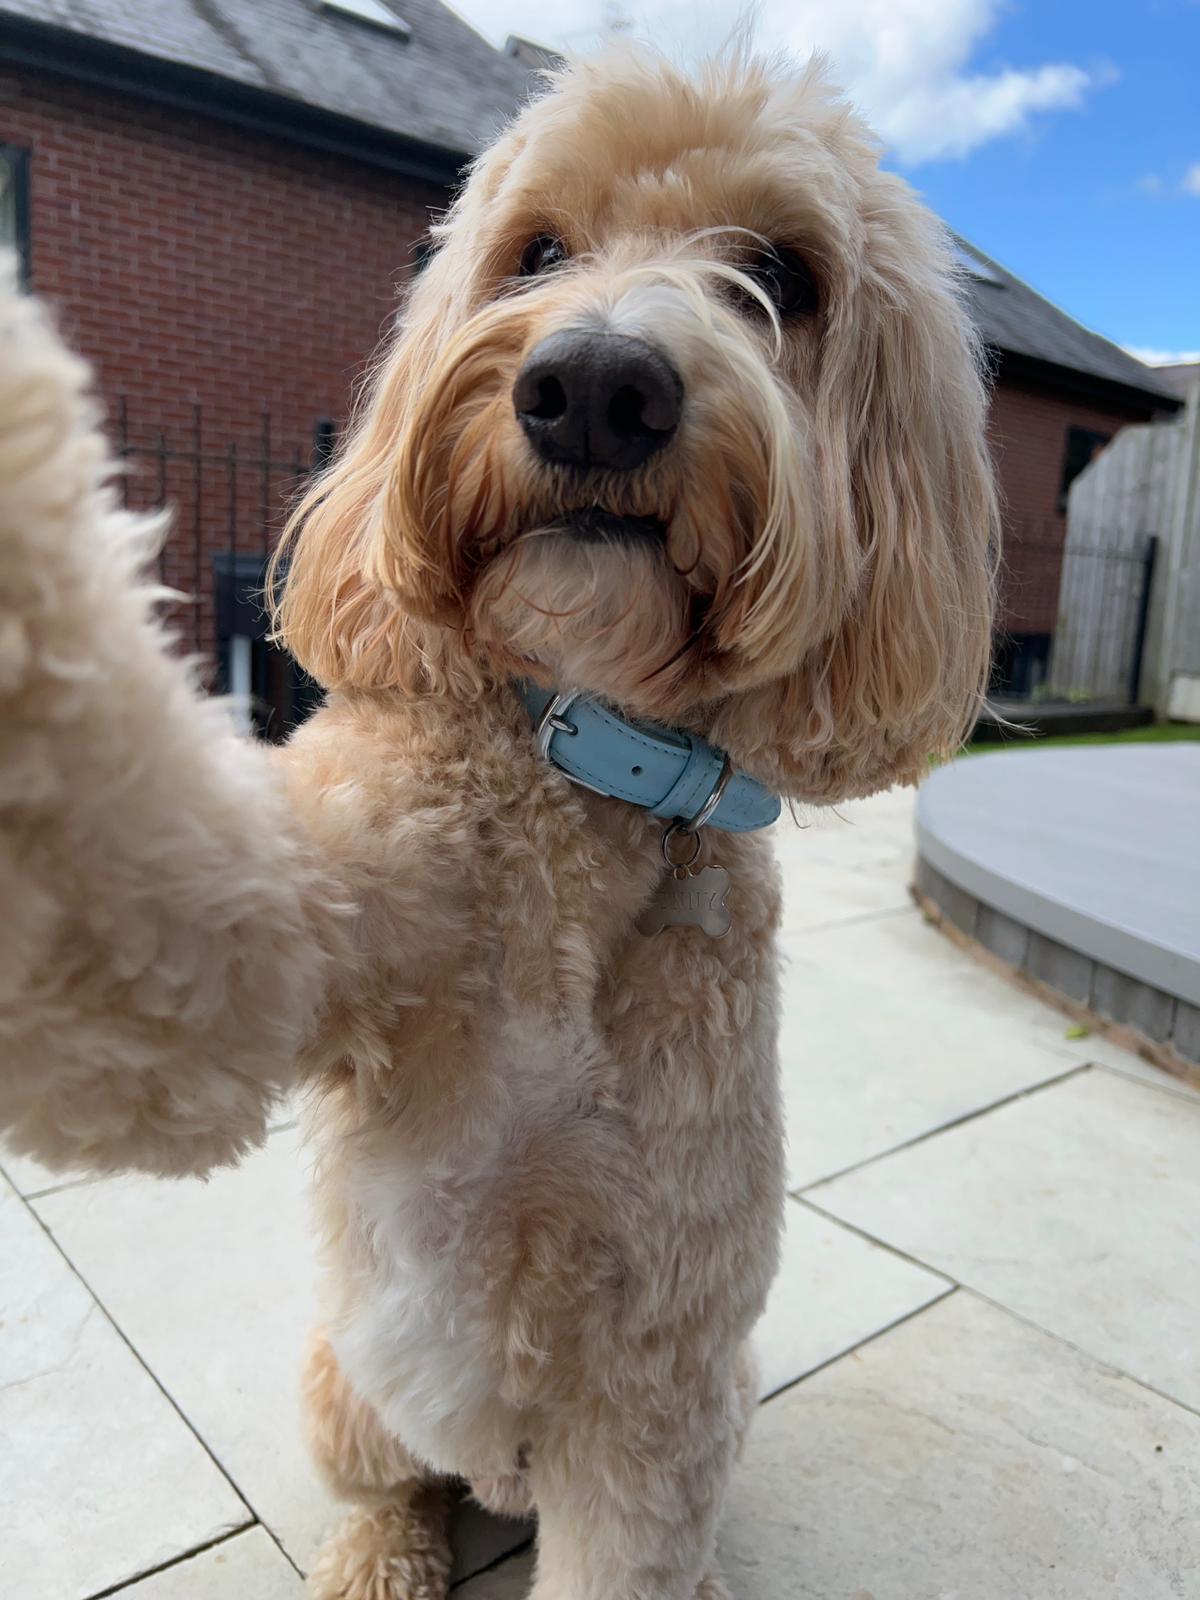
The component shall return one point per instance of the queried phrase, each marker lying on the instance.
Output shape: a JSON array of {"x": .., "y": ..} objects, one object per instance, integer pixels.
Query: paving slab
[
  {"x": 231, "y": 1264},
  {"x": 844, "y": 865},
  {"x": 1078, "y": 1207},
  {"x": 966, "y": 1455},
  {"x": 30, "y": 1177},
  {"x": 247, "y": 1567},
  {"x": 838, "y": 871},
  {"x": 889, "y": 1031},
  {"x": 100, "y": 1479},
  {"x": 962, "y": 1456},
  {"x": 855, "y": 831},
  {"x": 511, "y": 1580},
  {"x": 1131, "y": 1066},
  {"x": 823, "y": 894},
  {"x": 834, "y": 1289}
]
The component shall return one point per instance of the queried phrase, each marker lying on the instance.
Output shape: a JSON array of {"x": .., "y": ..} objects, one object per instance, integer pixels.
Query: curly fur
[{"x": 550, "y": 1174}]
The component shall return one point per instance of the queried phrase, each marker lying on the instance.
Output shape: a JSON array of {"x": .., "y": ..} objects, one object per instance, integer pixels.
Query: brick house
[
  {"x": 1060, "y": 394},
  {"x": 222, "y": 200}
]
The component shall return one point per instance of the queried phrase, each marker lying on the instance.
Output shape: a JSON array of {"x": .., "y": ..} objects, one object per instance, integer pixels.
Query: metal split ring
[
  {"x": 678, "y": 831},
  {"x": 715, "y": 795}
]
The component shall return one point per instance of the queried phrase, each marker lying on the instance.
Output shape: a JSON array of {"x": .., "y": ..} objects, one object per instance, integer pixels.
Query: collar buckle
[{"x": 553, "y": 721}]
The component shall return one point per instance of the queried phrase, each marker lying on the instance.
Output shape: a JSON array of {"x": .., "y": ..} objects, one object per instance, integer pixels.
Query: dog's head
[{"x": 684, "y": 411}]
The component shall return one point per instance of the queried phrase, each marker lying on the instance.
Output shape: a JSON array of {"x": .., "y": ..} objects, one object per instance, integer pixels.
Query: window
[
  {"x": 324, "y": 443},
  {"x": 14, "y": 205},
  {"x": 1083, "y": 445},
  {"x": 1020, "y": 664},
  {"x": 371, "y": 11},
  {"x": 271, "y": 694}
]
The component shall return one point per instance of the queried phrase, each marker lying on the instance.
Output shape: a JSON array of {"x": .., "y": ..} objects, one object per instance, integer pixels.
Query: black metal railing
[
  {"x": 1071, "y": 625},
  {"x": 1073, "y": 620},
  {"x": 228, "y": 499}
]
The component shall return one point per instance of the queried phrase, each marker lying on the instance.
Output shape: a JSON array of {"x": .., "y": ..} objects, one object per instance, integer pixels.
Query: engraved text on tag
[{"x": 687, "y": 899}]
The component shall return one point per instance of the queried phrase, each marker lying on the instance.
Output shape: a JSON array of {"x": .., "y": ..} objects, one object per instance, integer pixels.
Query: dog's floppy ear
[
  {"x": 360, "y": 582},
  {"x": 901, "y": 679},
  {"x": 337, "y": 603}
]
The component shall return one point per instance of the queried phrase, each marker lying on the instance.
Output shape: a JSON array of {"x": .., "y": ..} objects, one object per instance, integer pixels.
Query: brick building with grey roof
[{"x": 223, "y": 198}]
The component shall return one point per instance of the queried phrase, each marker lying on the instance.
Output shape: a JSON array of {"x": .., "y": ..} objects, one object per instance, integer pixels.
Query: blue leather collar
[{"x": 674, "y": 775}]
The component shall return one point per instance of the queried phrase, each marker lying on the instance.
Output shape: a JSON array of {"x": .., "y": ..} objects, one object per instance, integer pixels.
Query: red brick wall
[
  {"x": 196, "y": 262},
  {"x": 192, "y": 262},
  {"x": 1028, "y": 430}
]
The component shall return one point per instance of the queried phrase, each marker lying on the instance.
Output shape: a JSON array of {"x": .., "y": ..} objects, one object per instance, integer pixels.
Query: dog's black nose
[{"x": 601, "y": 400}]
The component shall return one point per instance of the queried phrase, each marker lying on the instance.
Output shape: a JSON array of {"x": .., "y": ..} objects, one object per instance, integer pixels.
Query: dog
[{"x": 676, "y": 461}]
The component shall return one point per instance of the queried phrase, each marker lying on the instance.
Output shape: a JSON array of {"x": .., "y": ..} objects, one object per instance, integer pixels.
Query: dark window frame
[
  {"x": 18, "y": 157},
  {"x": 282, "y": 694}
]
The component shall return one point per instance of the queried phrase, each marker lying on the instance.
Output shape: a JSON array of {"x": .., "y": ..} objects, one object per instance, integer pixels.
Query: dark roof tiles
[
  {"x": 1014, "y": 318},
  {"x": 443, "y": 84}
]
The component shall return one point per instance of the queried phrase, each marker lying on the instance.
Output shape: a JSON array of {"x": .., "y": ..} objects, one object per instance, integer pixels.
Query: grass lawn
[{"x": 1152, "y": 733}]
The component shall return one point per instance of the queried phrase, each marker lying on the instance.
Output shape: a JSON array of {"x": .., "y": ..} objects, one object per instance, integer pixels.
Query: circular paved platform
[{"x": 1082, "y": 868}]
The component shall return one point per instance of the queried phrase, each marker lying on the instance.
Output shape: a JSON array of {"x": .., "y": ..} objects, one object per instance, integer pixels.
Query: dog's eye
[
  {"x": 542, "y": 255},
  {"x": 786, "y": 279}
]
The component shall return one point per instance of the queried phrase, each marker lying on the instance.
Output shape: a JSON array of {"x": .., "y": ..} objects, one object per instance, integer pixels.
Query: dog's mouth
[{"x": 595, "y": 525}]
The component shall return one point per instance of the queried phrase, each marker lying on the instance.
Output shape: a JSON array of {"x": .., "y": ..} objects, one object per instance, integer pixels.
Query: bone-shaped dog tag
[{"x": 687, "y": 899}]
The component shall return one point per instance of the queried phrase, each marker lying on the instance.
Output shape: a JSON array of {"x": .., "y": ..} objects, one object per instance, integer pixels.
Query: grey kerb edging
[
  {"x": 1117, "y": 996},
  {"x": 1071, "y": 928}
]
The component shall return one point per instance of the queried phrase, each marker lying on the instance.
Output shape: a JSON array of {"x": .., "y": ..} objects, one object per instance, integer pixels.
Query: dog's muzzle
[{"x": 599, "y": 401}]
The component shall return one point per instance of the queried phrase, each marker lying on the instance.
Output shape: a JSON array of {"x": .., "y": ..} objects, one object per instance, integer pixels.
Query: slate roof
[
  {"x": 1015, "y": 319},
  {"x": 441, "y": 84}
]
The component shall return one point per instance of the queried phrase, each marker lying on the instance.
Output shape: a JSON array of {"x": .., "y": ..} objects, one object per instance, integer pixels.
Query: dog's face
[{"x": 684, "y": 412}]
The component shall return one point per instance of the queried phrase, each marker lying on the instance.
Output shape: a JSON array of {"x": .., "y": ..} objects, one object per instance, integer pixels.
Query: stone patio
[{"x": 981, "y": 1359}]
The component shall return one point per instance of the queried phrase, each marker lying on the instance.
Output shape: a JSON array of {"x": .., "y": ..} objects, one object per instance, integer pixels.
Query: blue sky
[{"x": 1060, "y": 136}]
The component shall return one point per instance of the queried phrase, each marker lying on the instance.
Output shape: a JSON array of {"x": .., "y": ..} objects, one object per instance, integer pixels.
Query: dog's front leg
[
  {"x": 628, "y": 1494},
  {"x": 166, "y": 931}
]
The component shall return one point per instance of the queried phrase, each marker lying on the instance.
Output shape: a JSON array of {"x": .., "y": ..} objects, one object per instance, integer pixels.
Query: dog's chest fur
[{"x": 557, "y": 1138}]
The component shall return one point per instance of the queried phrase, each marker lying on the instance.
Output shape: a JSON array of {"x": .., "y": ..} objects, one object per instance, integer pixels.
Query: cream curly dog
[{"x": 684, "y": 419}]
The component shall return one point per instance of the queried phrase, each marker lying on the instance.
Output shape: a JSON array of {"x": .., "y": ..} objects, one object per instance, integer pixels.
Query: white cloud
[
  {"x": 955, "y": 117},
  {"x": 906, "y": 63},
  {"x": 1191, "y": 180},
  {"x": 1162, "y": 358}
]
